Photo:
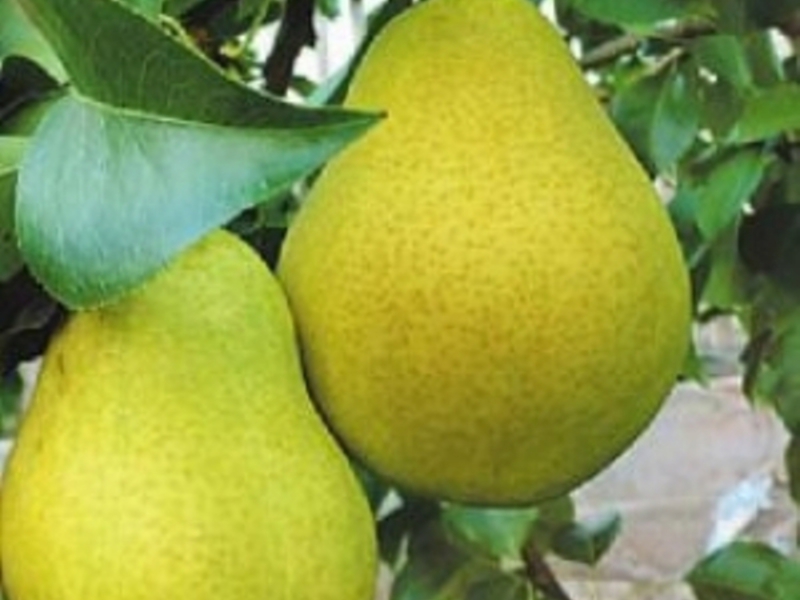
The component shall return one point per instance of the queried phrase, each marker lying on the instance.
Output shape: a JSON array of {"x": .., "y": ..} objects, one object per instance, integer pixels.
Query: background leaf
[
  {"x": 503, "y": 586},
  {"x": 499, "y": 532},
  {"x": 586, "y": 542},
  {"x": 727, "y": 185},
  {"x": 12, "y": 149},
  {"x": 745, "y": 571},
  {"x": 659, "y": 115},
  {"x": 768, "y": 113},
  {"x": 439, "y": 569},
  {"x": 149, "y": 8},
  {"x": 11, "y": 388},
  {"x": 19, "y": 37},
  {"x": 636, "y": 13},
  {"x": 22, "y": 84}
]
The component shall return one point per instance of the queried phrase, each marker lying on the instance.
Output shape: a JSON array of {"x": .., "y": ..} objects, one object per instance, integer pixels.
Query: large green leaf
[
  {"x": 745, "y": 571},
  {"x": 12, "y": 150},
  {"x": 106, "y": 196},
  {"x": 116, "y": 56},
  {"x": 155, "y": 147}
]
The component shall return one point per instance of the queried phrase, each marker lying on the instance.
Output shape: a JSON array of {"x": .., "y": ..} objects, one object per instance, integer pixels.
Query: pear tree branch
[
  {"x": 295, "y": 32},
  {"x": 541, "y": 575},
  {"x": 617, "y": 47}
]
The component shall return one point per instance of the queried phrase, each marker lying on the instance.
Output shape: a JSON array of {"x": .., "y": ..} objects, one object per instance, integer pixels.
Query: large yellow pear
[
  {"x": 491, "y": 300},
  {"x": 171, "y": 453}
]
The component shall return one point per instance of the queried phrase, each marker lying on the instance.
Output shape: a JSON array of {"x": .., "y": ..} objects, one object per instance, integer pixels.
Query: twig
[
  {"x": 627, "y": 43},
  {"x": 296, "y": 30},
  {"x": 541, "y": 575}
]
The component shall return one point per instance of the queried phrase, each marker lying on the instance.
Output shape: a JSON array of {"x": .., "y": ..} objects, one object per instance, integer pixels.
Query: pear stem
[
  {"x": 541, "y": 575},
  {"x": 296, "y": 31}
]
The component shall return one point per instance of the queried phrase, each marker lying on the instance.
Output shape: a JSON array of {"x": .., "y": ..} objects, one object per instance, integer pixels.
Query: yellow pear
[
  {"x": 491, "y": 300},
  {"x": 171, "y": 453}
]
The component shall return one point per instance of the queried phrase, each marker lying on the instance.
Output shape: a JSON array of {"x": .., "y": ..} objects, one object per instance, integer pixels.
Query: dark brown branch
[
  {"x": 625, "y": 44},
  {"x": 296, "y": 31},
  {"x": 541, "y": 575}
]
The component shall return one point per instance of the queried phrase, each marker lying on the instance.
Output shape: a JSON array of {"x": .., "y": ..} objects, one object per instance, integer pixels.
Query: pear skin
[
  {"x": 491, "y": 300},
  {"x": 171, "y": 452}
]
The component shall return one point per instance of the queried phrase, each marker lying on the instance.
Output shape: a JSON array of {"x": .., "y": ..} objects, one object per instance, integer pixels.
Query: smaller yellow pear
[{"x": 171, "y": 453}]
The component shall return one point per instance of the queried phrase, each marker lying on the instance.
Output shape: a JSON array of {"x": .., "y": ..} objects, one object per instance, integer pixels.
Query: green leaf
[
  {"x": 27, "y": 321},
  {"x": 503, "y": 586},
  {"x": 498, "y": 532},
  {"x": 26, "y": 90},
  {"x": 745, "y": 61},
  {"x": 778, "y": 379},
  {"x": 659, "y": 115},
  {"x": 745, "y": 571},
  {"x": 329, "y": 8},
  {"x": 149, "y": 8},
  {"x": 554, "y": 515},
  {"x": 395, "y": 528},
  {"x": 247, "y": 9},
  {"x": 19, "y": 37},
  {"x": 768, "y": 113},
  {"x": 439, "y": 569},
  {"x": 732, "y": 16},
  {"x": 626, "y": 13},
  {"x": 729, "y": 183},
  {"x": 722, "y": 105},
  {"x": 157, "y": 146},
  {"x": 117, "y": 57},
  {"x": 725, "y": 56},
  {"x": 792, "y": 461},
  {"x": 726, "y": 281},
  {"x": 126, "y": 191},
  {"x": 179, "y": 7},
  {"x": 11, "y": 388},
  {"x": 588, "y": 541},
  {"x": 12, "y": 149},
  {"x": 375, "y": 489}
]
